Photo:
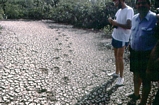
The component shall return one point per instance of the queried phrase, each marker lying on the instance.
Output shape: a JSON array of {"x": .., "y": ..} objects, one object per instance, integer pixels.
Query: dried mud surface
[{"x": 44, "y": 63}]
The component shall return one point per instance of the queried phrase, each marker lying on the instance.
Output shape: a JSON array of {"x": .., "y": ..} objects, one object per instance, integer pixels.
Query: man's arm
[{"x": 125, "y": 26}]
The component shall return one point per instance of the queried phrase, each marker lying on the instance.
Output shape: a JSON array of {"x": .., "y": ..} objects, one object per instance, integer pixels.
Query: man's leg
[
  {"x": 145, "y": 90},
  {"x": 116, "y": 60},
  {"x": 120, "y": 63},
  {"x": 137, "y": 83}
]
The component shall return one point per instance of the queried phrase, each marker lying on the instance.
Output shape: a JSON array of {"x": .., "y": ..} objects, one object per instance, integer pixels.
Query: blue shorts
[{"x": 119, "y": 44}]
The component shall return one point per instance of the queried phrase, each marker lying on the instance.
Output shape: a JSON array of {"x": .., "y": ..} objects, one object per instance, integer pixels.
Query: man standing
[
  {"x": 141, "y": 43},
  {"x": 120, "y": 36}
]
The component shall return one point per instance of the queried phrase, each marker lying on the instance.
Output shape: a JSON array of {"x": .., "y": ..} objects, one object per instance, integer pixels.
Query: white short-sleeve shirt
[{"x": 122, "y": 15}]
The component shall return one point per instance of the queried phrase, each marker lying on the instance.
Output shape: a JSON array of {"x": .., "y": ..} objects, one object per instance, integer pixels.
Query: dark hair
[
  {"x": 148, "y": 1},
  {"x": 156, "y": 3}
]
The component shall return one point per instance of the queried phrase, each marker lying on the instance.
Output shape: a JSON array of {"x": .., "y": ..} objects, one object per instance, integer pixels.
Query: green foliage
[
  {"x": 13, "y": 13},
  {"x": 107, "y": 30},
  {"x": 86, "y": 15},
  {"x": 35, "y": 13},
  {"x": 1, "y": 13},
  {"x": 1, "y": 16},
  {"x": 64, "y": 12},
  {"x": 79, "y": 13}
]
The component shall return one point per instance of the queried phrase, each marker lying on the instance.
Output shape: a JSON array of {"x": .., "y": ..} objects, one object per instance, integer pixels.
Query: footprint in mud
[
  {"x": 59, "y": 35},
  {"x": 56, "y": 69},
  {"x": 56, "y": 38},
  {"x": 70, "y": 43},
  {"x": 64, "y": 35},
  {"x": 34, "y": 51},
  {"x": 56, "y": 58},
  {"x": 68, "y": 46},
  {"x": 60, "y": 43},
  {"x": 41, "y": 90},
  {"x": 65, "y": 80},
  {"x": 16, "y": 38},
  {"x": 44, "y": 70},
  {"x": 70, "y": 51},
  {"x": 51, "y": 95},
  {"x": 67, "y": 37},
  {"x": 68, "y": 62},
  {"x": 57, "y": 49},
  {"x": 59, "y": 32},
  {"x": 65, "y": 55}
]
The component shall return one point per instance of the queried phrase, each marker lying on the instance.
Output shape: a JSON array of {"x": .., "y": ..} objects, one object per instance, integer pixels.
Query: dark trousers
[
  {"x": 139, "y": 61},
  {"x": 138, "y": 65}
]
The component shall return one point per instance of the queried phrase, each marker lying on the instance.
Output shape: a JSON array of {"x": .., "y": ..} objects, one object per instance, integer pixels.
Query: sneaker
[
  {"x": 134, "y": 97},
  {"x": 120, "y": 81},
  {"x": 131, "y": 102},
  {"x": 115, "y": 75}
]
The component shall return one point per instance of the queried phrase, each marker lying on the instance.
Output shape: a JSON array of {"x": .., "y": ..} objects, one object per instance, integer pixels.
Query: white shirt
[{"x": 122, "y": 15}]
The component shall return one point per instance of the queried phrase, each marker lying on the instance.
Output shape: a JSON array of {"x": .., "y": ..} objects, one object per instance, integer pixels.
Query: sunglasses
[{"x": 143, "y": 3}]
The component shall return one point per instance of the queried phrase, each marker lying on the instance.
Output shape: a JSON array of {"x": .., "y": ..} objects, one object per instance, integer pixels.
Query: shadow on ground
[{"x": 99, "y": 95}]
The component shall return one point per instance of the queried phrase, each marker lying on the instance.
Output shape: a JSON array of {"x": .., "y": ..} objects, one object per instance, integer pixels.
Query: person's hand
[
  {"x": 110, "y": 20},
  {"x": 114, "y": 23}
]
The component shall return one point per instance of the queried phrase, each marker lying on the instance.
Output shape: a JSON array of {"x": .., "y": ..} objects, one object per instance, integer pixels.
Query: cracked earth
[{"x": 44, "y": 63}]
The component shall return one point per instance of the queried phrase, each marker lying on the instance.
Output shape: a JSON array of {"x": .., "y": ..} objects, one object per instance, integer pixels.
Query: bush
[
  {"x": 35, "y": 13},
  {"x": 1, "y": 13},
  {"x": 83, "y": 15},
  {"x": 80, "y": 14},
  {"x": 108, "y": 30},
  {"x": 63, "y": 13},
  {"x": 11, "y": 13}
]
